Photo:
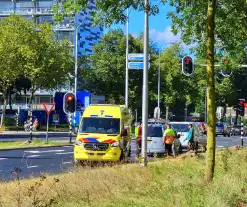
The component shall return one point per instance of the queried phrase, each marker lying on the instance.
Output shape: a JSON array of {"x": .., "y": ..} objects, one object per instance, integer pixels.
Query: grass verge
[
  {"x": 33, "y": 144},
  {"x": 171, "y": 182}
]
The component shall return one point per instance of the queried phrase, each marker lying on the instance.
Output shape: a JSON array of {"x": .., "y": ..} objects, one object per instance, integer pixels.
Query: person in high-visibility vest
[
  {"x": 138, "y": 135},
  {"x": 168, "y": 139}
]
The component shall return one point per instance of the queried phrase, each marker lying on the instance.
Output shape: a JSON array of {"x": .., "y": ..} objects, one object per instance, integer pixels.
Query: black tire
[
  {"x": 224, "y": 135},
  {"x": 229, "y": 135}
]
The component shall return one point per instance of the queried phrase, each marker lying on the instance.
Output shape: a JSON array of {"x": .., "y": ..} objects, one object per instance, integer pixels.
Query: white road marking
[
  {"x": 2, "y": 158},
  {"x": 37, "y": 152},
  {"x": 67, "y": 162},
  {"x": 34, "y": 166},
  {"x": 30, "y": 156},
  {"x": 68, "y": 146},
  {"x": 63, "y": 153},
  {"x": 220, "y": 146}
]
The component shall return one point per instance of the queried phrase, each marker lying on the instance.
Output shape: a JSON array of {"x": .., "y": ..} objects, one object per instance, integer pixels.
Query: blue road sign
[
  {"x": 137, "y": 65},
  {"x": 137, "y": 57}
]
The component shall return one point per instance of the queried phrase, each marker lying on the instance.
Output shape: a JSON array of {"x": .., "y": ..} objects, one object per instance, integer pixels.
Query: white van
[{"x": 155, "y": 140}]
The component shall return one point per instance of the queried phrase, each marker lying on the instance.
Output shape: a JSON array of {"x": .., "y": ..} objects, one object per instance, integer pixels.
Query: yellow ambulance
[{"x": 104, "y": 134}]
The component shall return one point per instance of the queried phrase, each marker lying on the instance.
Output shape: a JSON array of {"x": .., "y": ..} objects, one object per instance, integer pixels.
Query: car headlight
[
  {"x": 78, "y": 143},
  {"x": 115, "y": 144}
]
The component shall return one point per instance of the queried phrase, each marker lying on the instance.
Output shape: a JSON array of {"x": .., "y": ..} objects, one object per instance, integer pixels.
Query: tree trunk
[
  {"x": 210, "y": 160},
  {"x": 167, "y": 112},
  {"x": 5, "y": 97}
]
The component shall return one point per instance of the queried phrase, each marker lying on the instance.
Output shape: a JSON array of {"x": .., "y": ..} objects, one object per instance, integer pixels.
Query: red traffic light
[
  {"x": 187, "y": 61},
  {"x": 70, "y": 98}
]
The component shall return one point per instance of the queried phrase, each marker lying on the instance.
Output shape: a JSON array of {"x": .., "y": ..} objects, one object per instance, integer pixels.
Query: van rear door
[{"x": 154, "y": 140}]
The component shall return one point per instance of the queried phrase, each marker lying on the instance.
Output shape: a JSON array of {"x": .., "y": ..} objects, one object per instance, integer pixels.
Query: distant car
[
  {"x": 235, "y": 130},
  {"x": 219, "y": 128},
  {"x": 182, "y": 129}
]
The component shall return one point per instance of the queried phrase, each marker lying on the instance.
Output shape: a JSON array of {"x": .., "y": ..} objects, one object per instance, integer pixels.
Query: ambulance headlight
[
  {"x": 115, "y": 144},
  {"x": 78, "y": 143}
]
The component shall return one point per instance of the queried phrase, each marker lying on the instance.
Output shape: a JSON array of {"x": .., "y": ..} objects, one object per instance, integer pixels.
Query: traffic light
[
  {"x": 240, "y": 108},
  {"x": 69, "y": 103},
  {"x": 187, "y": 65}
]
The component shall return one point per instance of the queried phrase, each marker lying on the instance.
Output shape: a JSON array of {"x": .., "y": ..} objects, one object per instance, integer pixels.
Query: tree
[
  {"x": 14, "y": 46},
  {"x": 106, "y": 74},
  {"x": 50, "y": 62},
  {"x": 30, "y": 54}
]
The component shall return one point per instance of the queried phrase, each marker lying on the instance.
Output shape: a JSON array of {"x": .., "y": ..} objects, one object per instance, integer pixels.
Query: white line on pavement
[
  {"x": 67, "y": 162},
  {"x": 37, "y": 152},
  {"x": 34, "y": 166},
  {"x": 68, "y": 146},
  {"x": 63, "y": 153},
  {"x": 30, "y": 156},
  {"x": 220, "y": 146},
  {"x": 2, "y": 158}
]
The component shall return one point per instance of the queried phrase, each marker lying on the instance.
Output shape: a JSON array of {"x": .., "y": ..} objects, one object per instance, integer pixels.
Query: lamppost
[
  {"x": 145, "y": 86},
  {"x": 76, "y": 66},
  {"x": 127, "y": 68}
]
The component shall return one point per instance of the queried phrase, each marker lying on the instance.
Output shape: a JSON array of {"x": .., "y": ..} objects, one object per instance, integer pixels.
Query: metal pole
[
  {"x": 127, "y": 69},
  {"x": 31, "y": 123},
  {"x": 76, "y": 69},
  {"x": 186, "y": 113},
  {"x": 47, "y": 127},
  {"x": 242, "y": 132},
  {"x": 136, "y": 115},
  {"x": 159, "y": 83},
  {"x": 145, "y": 88},
  {"x": 70, "y": 127}
]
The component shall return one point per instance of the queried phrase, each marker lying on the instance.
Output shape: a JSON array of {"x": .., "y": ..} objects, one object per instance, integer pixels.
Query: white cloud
[{"x": 167, "y": 37}]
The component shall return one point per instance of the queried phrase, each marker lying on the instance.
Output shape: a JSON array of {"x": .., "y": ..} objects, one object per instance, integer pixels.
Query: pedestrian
[
  {"x": 36, "y": 124},
  {"x": 190, "y": 138},
  {"x": 168, "y": 139},
  {"x": 138, "y": 135}
]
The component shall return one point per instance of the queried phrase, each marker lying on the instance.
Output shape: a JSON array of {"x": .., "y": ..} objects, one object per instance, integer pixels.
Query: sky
[{"x": 159, "y": 27}]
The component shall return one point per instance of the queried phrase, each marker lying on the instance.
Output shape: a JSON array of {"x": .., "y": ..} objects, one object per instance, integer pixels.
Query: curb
[{"x": 35, "y": 147}]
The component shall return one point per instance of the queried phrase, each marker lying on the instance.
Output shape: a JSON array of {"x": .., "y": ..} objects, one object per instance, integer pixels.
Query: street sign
[
  {"x": 137, "y": 57},
  {"x": 48, "y": 107},
  {"x": 137, "y": 65}
]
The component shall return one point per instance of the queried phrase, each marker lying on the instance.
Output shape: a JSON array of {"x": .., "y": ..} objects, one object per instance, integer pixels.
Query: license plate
[{"x": 149, "y": 142}]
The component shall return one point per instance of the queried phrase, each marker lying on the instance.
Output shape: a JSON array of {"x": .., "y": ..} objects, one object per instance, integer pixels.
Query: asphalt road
[{"x": 54, "y": 160}]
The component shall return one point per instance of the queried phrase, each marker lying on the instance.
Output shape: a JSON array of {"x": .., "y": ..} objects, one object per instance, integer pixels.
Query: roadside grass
[
  {"x": 33, "y": 144},
  {"x": 164, "y": 183}
]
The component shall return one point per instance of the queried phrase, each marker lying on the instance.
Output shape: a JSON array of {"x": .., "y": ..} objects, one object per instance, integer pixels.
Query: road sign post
[{"x": 48, "y": 107}]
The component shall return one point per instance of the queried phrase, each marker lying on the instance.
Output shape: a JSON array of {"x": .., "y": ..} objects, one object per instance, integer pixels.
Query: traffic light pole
[
  {"x": 242, "y": 132},
  {"x": 70, "y": 127}
]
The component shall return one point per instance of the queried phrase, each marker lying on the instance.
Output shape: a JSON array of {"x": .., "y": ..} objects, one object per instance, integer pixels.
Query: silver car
[{"x": 182, "y": 129}]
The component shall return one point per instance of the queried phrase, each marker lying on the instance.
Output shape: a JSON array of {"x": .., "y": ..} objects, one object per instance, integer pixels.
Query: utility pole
[
  {"x": 127, "y": 69},
  {"x": 145, "y": 87},
  {"x": 159, "y": 82}
]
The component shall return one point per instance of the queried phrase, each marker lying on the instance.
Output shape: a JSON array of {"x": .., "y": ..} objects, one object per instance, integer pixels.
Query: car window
[
  {"x": 180, "y": 127},
  {"x": 155, "y": 131},
  {"x": 219, "y": 125}
]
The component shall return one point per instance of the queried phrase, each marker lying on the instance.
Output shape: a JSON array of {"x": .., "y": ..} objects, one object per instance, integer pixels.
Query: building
[{"x": 40, "y": 11}]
